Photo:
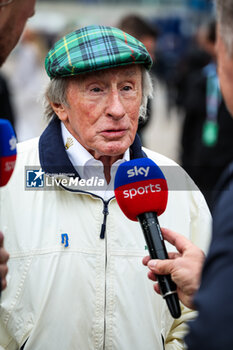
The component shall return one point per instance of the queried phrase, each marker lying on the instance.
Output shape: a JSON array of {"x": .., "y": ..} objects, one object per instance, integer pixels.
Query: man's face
[
  {"x": 103, "y": 109},
  {"x": 12, "y": 21},
  {"x": 225, "y": 72}
]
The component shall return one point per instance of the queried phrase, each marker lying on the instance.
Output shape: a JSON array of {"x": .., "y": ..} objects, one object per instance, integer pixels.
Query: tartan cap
[{"x": 94, "y": 48}]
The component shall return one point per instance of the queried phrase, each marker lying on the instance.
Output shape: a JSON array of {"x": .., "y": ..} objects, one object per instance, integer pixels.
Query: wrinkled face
[
  {"x": 104, "y": 109},
  {"x": 225, "y": 72},
  {"x": 12, "y": 21}
]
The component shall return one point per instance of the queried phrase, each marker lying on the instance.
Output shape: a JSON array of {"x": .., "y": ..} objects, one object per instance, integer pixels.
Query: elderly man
[
  {"x": 76, "y": 279},
  {"x": 213, "y": 327},
  {"x": 13, "y": 16}
]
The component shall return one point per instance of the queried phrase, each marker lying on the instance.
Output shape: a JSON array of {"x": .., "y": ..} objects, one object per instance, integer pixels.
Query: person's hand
[
  {"x": 4, "y": 256},
  {"x": 184, "y": 267}
]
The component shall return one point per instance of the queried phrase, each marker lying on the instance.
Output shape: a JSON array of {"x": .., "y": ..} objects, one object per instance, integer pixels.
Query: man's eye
[
  {"x": 127, "y": 88},
  {"x": 96, "y": 89}
]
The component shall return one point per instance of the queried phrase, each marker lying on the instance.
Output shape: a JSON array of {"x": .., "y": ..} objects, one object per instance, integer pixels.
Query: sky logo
[
  {"x": 136, "y": 171},
  {"x": 12, "y": 143},
  {"x": 35, "y": 178}
]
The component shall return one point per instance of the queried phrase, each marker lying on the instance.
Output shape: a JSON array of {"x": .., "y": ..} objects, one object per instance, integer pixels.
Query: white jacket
[{"x": 94, "y": 293}]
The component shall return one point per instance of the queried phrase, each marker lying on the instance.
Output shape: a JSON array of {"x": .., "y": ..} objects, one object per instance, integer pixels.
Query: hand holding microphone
[
  {"x": 141, "y": 192},
  {"x": 4, "y": 256},
  {"x": 7, "y": 164},
  {"x": 184, "y": 266}
]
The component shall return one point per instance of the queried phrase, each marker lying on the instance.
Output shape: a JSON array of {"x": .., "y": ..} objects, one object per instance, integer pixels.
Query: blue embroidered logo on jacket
[{"x": 65, "y": 239}]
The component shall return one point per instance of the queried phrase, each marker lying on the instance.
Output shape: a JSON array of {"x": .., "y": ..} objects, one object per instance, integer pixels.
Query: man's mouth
[{"x": 112, "y": 133}]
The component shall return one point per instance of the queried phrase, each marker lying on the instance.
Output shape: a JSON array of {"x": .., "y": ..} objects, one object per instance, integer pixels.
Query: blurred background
[{"x": 175, "y": 32}]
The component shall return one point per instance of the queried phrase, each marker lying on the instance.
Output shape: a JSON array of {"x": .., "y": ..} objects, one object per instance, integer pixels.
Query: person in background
[
  {"x": 212, "y": 329},
  {"x": 28, "y": 62},
  {"x": 141, "y": 29},
  {"x": 208, "y": 127},
  {"x": 13, "y": 16},
  {"x": 77, "y": 281}
]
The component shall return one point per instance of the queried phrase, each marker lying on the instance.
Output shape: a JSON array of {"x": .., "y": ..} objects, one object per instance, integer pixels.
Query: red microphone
[
  {"x": 7, "y": 154},
  {"x": 141, "y": 192},
  {"x": 7, "y": 151}
]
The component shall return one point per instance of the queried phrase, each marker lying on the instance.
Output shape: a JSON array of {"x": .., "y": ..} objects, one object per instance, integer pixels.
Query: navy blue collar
[
  {"x": 225, "y": 179},
  {"x": 53, "y": 156}
]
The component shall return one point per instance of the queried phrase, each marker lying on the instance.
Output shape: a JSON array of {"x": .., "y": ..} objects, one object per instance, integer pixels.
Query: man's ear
[{"x": 60, "y": 110}]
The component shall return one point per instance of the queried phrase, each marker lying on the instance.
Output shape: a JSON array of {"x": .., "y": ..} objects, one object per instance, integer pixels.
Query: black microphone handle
[{"x": 154, "y": 239}]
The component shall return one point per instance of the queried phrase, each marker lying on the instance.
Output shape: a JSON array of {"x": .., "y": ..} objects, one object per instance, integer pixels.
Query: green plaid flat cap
[{"x": 94, "y": 48}]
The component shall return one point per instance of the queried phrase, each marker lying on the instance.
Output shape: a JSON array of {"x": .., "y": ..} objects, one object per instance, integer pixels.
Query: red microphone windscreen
[
  {"x": 140, "y": 187},
  {"x": 7, "y": 151}
]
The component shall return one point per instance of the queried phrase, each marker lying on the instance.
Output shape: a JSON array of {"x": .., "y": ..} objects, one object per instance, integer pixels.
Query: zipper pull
[{"x": 103, "y": 227}]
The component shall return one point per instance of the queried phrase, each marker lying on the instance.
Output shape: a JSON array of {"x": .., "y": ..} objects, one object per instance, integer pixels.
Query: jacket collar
[
  {"x": 225, "y": 180},
  {"x": 52, "y": 153}
]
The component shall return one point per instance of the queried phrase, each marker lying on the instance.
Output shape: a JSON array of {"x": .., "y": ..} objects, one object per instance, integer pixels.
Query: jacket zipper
[
  {"x": 105, "y": 209},
  {"x": 102, "y": 236},
  {"x": 103, "y": 227}
]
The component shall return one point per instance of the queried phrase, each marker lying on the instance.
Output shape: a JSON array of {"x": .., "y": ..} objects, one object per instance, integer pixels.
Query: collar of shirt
[{"x": 87, "y": 166}]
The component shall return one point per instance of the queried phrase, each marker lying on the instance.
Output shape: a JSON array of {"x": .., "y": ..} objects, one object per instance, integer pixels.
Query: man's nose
[{"x": 115, "y": 107}]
